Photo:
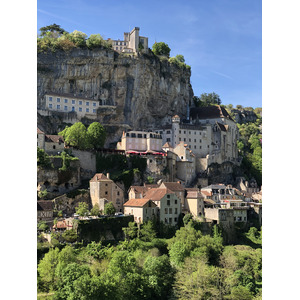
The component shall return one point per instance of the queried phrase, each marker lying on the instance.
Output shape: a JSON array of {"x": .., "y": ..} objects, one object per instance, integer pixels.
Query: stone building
[
  {"x": 142, "y": 209},
  {"x": 194, "y": 202},
  {"x": 177, "y": 188},
  {"x": 209, "y": 132},
  {"x": 52, "y": 144},
  {"x": 132, "y": 42},
  {"x": 168, "y": 203},
  {"x": 104, "y": 190}
]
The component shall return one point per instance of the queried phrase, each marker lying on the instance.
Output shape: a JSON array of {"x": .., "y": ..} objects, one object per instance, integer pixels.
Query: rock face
[
  {"x": 244, "y": 116},
  {"x": 144, "y": 89}
]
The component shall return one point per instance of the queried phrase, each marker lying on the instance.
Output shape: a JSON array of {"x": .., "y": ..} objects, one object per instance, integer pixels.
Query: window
[
  {"x": 66, "y": 100},
  {"x": 58, "y": 106},
  {"x": 195, "y": 140},
  {"x": 194, "y": 147},
  {"x": 189, "y": 132},
  {"x": 66, "y": 108},
  {"x": 200, "y": 147},
  {"x": 184, "y": 139},
  {"x": 50, "y": 98},
  {"x": 179, "y": 131},
  {"x": 175, "y": 201},
  {"x": 207, "y": 146},
  {"x": 57, "y": 99},
  {"x": 117, "y": 48},
  {"x": 168, "y": 202},
  {"x": 166, "y": 221},
  {"x": 73, "y": 108},
  {"x": 170, "y": 220},
  {"x": 106, "y": 193},
  {"x": 175, "y": 211},
  {"x": 166, "y": 211},
  {"x": 80, "y": 102},
  {"x": 53, "y": 146},
  {"x": 73, "y": 101},
  {"x": 179, "y": 139},
  {"x": 189, "y": 140},
  {"x": 168, "y": 131},
  {"x": 94, "y": 111},
  {"x": 50, "y": 105},
  {"x": 168, "y": 140},
  {"x": 87, "y": 103},
  {"x": 94, "y": 104},
  {"x": 87, "y": 110},
  {"x": 170, "y": 210},
  {"x": 80, "y": 108}
]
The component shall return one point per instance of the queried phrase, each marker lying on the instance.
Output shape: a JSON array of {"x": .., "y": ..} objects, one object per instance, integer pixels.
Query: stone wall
[{"x": 87, "y": 161}]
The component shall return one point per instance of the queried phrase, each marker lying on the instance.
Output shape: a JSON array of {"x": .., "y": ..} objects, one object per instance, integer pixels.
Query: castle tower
[{"x": 175, "y": 131}]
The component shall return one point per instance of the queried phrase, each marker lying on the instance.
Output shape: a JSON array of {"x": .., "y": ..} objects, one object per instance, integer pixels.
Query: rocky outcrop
[
  {"x": 243, "y": 116},
  {"x": 144, "y": 90}
]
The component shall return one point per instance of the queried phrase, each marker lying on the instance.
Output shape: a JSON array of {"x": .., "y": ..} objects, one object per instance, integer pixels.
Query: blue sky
[{"x": 220, "y": 39}]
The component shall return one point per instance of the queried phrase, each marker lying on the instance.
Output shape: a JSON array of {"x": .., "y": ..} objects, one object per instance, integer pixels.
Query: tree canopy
[
  {"x": 207, "y": 99},
  {"x": 83, "y": 138},
  {"x": 161, "y": 48}
]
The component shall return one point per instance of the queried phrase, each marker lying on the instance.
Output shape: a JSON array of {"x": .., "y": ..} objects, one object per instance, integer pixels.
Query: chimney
[
  {"x": 179, "y": 182},
  {"x": 107, "y": 175}
]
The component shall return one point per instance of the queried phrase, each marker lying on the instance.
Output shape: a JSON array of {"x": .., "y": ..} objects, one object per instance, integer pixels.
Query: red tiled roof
[
  {"x": 138, "y": 189},
  {"x": 157, "y": 193},
  {"x": 54, "y": 138},
  {"x": 136, "y": 202},
  {"x": 151, "y": 186},
  {"x": 40, "y": 131},
  {"x": 173, "y": 186},
  {"x": 206, "y": 193},
  {"x": 100, "y": 177}
]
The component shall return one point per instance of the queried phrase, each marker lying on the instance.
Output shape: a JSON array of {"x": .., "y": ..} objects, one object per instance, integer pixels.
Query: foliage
[
  {"x": 96, "y": 135},
  {"x": 42, "y": 225},
  {"x": 43, "y": 159},
  {"x": 82, "y": 209},
  {"x": 78, "y": 38},
  {"x": 43, "y": 194},
  {"x": 83, "y": 138},
  {"x": 161, "y": 48},
  {"x": 179, "y": 61},
  {"x": 70, "y": 236},
  {"x": 131, "y": 231},
  {"x": 94, "y": 41},
  {"x": 207, "y": 99},
  {"x": 147, "y": 232},
  {"x": 75, "y": 135},
  {"x": 109, "y": 209},
  {"x": 54, "y": 28},
  {"x": 187, "y": 218},
  {"x": 95, "y": 211},
  {"x": 150, "y": 180}
]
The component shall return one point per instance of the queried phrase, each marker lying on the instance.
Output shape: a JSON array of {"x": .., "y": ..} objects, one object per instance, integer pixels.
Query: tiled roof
[
  {"x": 99, "y": 177},
  {"x": 151, "y": 186},
  {"x": 137, "y": 202},
  {"x": 173, "y": 186},
  {"x": 45, "y": 205},
  {"x": 40, "y": 131},
  {"x": 138, "y": 189},
  {"x": 62, "y": 224},
  {"x": 206, "y": 193},
  {"x": 157, "y": 194},
  {"x": 209, "y": 201},
  {"x": 209, "y": 112},
  {"x": 54, "y": 138}
]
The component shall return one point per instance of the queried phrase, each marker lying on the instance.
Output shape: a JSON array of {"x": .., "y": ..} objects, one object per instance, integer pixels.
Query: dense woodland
[{"x": 188, "y": 265}]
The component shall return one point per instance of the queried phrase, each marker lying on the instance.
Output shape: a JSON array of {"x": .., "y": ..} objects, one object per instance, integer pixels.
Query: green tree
[
  {"x": 54, "y": 28},
  {"x": 187, "y": 218},
  {"x": 109, "y": 209},
  {"x": 159, "y": 276},
  {"x": 94, "y": 41},
  {"x": 131, "y": 231},
  {"x": 161, "y": 48},
  {"x": 43, "y": 159},
  {"x": 147, "y": 231},
  {"x": 42, "y": 225},
  {"x": 95, "y": 211},
  {"x": 78, "y": 38},
  {"x": 82, "y": 209},
  {"x": 46, "y": 268},
  {"x": 96, "y": 135},
  {"x": 75, "y": 136},
  {"x": 207, "y": 100},
  {"x": 70, "y": 236}
]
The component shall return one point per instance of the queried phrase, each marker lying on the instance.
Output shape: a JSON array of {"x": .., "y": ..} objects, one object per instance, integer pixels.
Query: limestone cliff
[{"x": 145, "y": 89}]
